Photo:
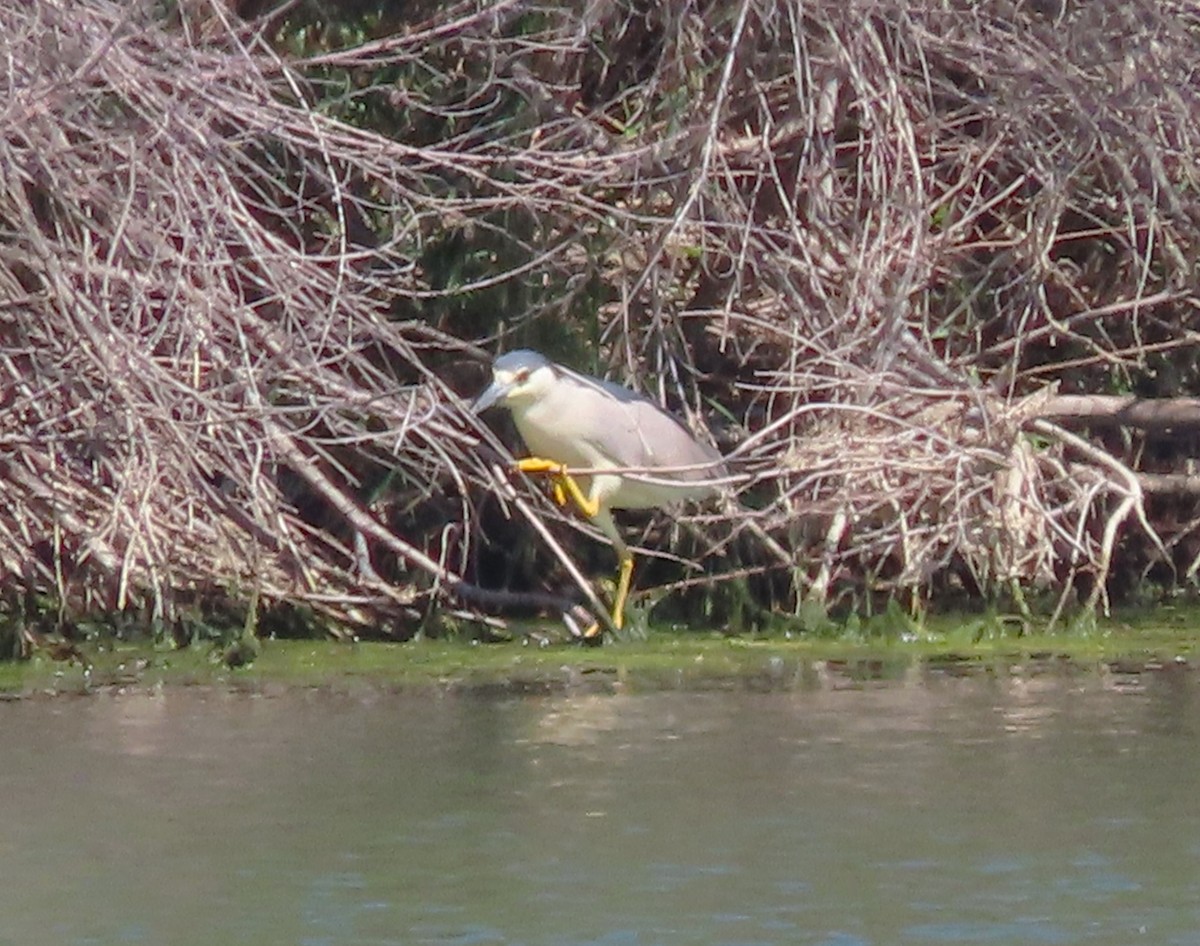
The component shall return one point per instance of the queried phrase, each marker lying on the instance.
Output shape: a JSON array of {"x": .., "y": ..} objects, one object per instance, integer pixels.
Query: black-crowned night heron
[{"x": 605, "y": 446}]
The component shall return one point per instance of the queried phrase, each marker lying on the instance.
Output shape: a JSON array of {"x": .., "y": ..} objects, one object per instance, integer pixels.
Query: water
[{"x": 998, "y": 808}]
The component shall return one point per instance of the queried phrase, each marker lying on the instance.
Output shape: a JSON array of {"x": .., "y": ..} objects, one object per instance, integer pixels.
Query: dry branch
[{"x": 1095, "y": 410}]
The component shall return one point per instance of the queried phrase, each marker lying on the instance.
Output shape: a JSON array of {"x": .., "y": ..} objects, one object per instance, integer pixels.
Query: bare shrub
[
  {"x": 874, "y": 233},
  {"x": 199, "y": 369}
]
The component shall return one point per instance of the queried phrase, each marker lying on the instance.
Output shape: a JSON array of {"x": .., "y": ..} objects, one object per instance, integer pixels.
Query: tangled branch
[{"x": 236, "y": 322}]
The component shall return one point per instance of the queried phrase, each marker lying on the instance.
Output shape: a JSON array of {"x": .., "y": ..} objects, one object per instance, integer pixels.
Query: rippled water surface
[{"x": 1002, "y": 807}]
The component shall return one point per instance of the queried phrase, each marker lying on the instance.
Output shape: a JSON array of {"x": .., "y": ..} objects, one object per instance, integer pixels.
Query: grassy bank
[{"x": 664, "y": 661}]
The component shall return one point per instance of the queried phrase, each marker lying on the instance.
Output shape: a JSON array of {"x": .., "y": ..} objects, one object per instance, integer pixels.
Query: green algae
[{"x": 663, "y": 660}]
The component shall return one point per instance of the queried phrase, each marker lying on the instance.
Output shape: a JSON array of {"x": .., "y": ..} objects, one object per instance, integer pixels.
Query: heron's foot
[
  {"x": 594, "y": 632},
  {"x": 593, "y": 636},
  {"x": 583, "y": 626},
  {"x": 578, "y": 620},
  {"x": 563, "y": 484}
]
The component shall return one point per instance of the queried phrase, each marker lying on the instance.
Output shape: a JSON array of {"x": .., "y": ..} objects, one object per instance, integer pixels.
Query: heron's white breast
[{"x": 547, "y": 434}]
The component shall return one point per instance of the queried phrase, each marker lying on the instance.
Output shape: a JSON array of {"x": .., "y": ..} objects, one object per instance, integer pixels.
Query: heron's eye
[{"x": 522, "y": 375}]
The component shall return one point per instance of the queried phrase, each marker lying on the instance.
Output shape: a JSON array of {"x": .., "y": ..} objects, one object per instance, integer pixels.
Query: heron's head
[{"x": 519, "y": 379}]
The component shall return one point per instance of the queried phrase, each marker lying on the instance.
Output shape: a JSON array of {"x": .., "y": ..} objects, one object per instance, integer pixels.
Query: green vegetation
[{"x": 667, "y": 660}]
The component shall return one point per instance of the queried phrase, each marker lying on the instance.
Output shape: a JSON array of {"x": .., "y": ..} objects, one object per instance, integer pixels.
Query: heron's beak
[{"x": 496, "y": 391}]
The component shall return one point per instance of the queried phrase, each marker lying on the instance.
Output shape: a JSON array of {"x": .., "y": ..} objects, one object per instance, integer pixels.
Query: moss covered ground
[{"x": 1165, "y": 637}]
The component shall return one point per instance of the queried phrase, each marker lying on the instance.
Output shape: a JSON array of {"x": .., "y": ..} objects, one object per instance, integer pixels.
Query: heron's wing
[{"x": 636, "y": 432}]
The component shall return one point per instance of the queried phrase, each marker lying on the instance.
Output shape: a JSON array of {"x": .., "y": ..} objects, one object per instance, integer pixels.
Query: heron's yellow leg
[
  {"x": 538, "y": 465},
  {"x": 624, "y": 575},
  {"x": 564, "y": 483}
]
